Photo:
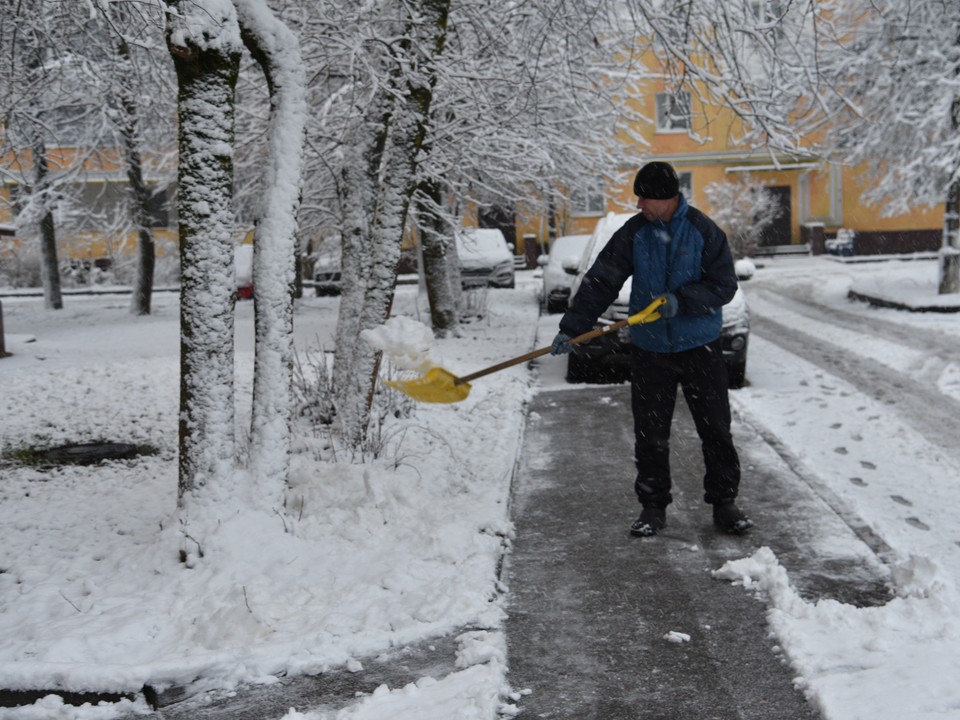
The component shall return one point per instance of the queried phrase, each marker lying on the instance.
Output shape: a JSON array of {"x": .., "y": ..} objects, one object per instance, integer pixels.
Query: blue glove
[
  {"x": 561, "y": 345},
  {"x": 670, "y": 307}
]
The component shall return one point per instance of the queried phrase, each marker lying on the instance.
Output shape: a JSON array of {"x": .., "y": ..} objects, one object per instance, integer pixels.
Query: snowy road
[
  {"x": 912, "y": 369},
  {"x": 864, "y": 402}
]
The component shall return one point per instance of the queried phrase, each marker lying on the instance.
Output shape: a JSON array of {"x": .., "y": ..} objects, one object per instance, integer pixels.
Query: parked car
[
  {"x": 559, "y": 270},
  {"x": 326, "y": 272},
  {"x": 606, "y": 359},
  {"x": 485, "y": 258}
]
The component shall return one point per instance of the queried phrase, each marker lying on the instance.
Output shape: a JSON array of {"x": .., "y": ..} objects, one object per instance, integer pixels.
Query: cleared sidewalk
[{"x": 599, "y": 621}]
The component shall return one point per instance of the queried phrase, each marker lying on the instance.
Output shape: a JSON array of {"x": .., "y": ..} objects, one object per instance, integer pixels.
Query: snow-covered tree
[
  {"x": 383, "y": 177},
  {"x": 32, "y": 95},
  {"x": 895, "y": 66},
  {"x": 744, "y": 209},
  {"x": 276, "y": 51},
  {"x": 128, "y": 63},
  {"x": 446, "y": 105},
  {"x": 204, "y": 42},
  {"x": 77, "y": 74},
  {"x": 854, "y": 80}
]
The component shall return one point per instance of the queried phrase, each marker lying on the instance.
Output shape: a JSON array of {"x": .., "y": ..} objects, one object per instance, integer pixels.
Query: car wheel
[
  {"x": 579, "y": 369},
  {"x": 736, "y": 375}
]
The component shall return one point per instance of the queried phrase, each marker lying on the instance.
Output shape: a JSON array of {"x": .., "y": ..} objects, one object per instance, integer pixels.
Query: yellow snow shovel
[{"x": 440, "y": 386}]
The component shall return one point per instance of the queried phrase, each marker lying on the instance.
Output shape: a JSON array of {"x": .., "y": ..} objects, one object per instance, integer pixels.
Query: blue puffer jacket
[{"x": 688, "y": 256}]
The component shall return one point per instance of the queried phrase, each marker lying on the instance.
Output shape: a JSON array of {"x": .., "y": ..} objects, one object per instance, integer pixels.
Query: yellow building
[
  {"x": 100, "y": 189},
  {"x": 817, "y": 197}
]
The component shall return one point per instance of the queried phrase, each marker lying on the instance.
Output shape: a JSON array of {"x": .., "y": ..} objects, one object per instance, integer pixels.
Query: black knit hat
[{"x": 656, "y": 181}]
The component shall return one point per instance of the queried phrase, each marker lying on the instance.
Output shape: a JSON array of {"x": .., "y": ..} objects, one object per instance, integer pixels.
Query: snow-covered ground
[{"x": 402, "y": 544}]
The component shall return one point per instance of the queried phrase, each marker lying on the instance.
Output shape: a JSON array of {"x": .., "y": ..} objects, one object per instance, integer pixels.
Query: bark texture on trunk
[
  {"x": 434, "y": 252},
  {"x": 274, "y": 253},
  {"x": 49, "y": 263},
  {"x": 207, "y": 78}
]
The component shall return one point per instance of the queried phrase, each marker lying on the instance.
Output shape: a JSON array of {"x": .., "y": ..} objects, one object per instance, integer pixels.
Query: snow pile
[
  {"x": 862, "y": 662},
  {"x": 407, "y": 342}
]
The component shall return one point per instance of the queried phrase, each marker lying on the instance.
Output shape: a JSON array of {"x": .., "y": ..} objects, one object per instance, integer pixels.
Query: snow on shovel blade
[{"x": 436, "y": 386}]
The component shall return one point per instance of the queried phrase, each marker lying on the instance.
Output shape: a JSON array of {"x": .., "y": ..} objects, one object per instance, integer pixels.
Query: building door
[{"x": 778, "y": 232}]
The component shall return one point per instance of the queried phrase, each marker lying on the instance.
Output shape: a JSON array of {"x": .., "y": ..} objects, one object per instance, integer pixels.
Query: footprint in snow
[
  {"x": 859, "y": 482},
  {"x": 917, "y": 523},
  {"x": 868, "y": 465},
  {"x": 836, "y": 426},
  {"x": 841, "y": 451},
  {"x": 902, "y": 500}
]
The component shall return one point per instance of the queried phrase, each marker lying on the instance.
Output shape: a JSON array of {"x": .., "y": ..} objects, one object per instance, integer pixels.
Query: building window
[
  {"x": 673, "y": 112},
  {"x": 158, "y": 208},
  {"x": 769, "y": 16},
  {"x": 589, "y": 201},
  {"x": 686, "y": 184},
  {"x": 766, "y": 10}
]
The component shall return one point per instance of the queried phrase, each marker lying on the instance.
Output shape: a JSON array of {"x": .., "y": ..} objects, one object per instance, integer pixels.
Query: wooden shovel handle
[{"x": 596, "y": 332}]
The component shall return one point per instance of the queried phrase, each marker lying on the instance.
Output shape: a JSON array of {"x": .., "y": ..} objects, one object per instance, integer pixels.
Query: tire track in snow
[
  {"x": 922, "y": 406},
  {"x": 922, "y": 352}
]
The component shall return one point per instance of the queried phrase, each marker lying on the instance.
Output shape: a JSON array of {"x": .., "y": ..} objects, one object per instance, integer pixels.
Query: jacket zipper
[{"x": 668, "y": 266}]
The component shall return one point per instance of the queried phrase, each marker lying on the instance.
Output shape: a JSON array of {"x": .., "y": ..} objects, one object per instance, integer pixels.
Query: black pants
[{"x": 702, "y": 375}]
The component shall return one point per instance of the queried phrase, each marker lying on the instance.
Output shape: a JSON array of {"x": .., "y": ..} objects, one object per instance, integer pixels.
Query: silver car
[
  {"x": 560, "y": 270},
  {"x": 485, "y": 258}
]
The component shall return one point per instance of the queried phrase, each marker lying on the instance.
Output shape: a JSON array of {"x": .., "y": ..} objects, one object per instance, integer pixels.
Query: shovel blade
[{"x": 436, "y": 386}]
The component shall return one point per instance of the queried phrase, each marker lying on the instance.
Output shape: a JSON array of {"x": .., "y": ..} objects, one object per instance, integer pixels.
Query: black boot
[
  {"x": 651, "y": 520},
  {"x": 731, "y": 519}
]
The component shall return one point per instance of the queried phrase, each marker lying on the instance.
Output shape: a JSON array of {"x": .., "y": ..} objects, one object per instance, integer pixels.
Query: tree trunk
[
  {"x": 207, "y": 78},
  {"x": 275, "y": 251},
  {"x": 381, "y": 181},
  {"x": 950, "y": 250},
  {"x": 370, "y": 256},
  {"x": 49, "y": 265},
  {"x": 434, "y": 237},
  {"x": 139, "y": 193}
]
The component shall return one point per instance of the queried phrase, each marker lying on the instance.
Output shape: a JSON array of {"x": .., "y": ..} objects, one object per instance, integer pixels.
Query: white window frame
[
  {"x": 769, "y": 14},
  {"x": 593, "y": 202},
  {"x": 668, "y": 119}
]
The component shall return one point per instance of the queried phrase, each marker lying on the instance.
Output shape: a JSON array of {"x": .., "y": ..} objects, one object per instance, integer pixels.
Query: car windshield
[
  {"x": 482, "y": 243},
  {"x": 567, "y": 246}
]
